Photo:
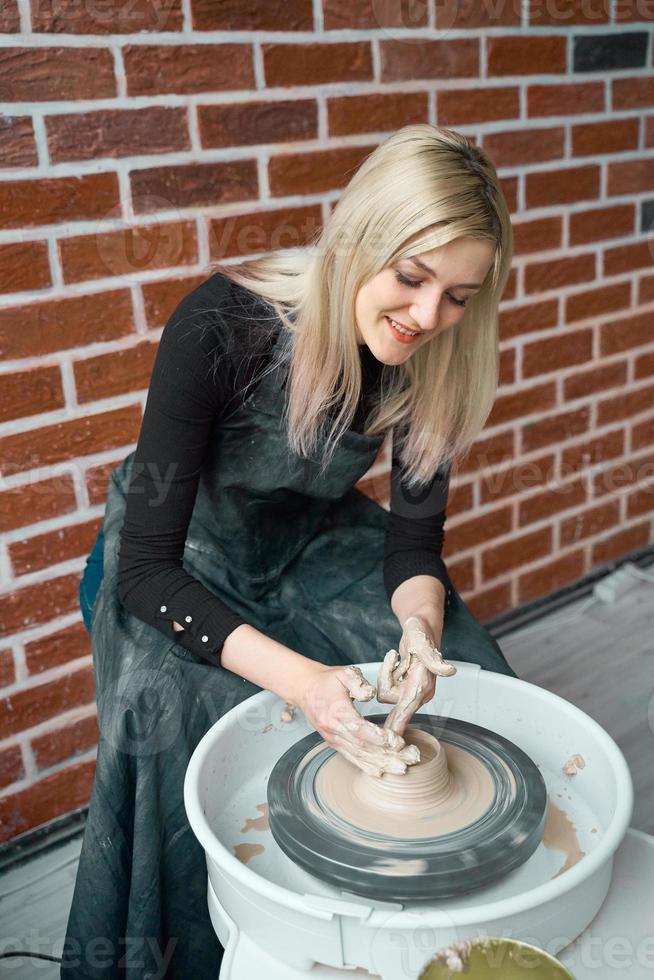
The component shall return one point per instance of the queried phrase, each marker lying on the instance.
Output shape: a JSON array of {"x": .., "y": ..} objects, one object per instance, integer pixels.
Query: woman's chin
[
  {"x": 390, "y": 353},
  {"x": 387, "y": 350}
]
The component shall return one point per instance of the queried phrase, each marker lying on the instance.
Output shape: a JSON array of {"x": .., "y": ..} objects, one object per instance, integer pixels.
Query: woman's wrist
[
  {"x": 422, "y": 596},
  {"x": 432, "y": 621},
  {"x": 271, "y": 665}
]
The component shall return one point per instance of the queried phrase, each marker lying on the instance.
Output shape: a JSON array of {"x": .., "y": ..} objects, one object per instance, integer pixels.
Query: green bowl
[{"x": 497, "y": 959}]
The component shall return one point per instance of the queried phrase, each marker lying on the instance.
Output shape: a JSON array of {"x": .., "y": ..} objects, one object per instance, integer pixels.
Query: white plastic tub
[{"x": 299, "y": 921}]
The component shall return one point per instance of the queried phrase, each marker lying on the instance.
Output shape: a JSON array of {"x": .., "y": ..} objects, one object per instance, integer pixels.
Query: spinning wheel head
[{"x": 386, "y": 838}]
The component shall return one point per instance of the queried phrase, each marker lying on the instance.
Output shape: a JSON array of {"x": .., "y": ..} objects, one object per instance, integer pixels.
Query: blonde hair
[{"x": 422, "y": 187}]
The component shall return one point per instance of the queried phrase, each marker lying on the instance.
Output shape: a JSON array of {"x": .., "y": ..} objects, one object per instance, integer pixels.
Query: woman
[{"x": 273, "y": 387}]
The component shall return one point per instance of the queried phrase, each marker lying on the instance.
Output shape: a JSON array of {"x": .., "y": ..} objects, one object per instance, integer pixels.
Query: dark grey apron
[{"x": 300, "y": 556}]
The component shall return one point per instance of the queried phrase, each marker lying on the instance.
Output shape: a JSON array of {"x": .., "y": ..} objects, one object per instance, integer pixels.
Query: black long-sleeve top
[{"x": 210, "y": 357}]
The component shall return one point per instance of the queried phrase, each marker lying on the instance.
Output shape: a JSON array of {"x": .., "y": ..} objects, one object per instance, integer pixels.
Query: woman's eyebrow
[{"x": 430, "y": 272}]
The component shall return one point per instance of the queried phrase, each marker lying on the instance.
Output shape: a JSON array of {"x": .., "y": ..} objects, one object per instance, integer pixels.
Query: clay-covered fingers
[
  {"x": 400, "y": 715},
  {"x": 387, "y": 691},
  {"x": 422, "y": 648},
  {"x": 366, "y": 733},
  {"x": 438, "y": 666},
  {"x": 354, "y": 755},
  {"x": 392, "y": 760},
  {"x": 377, "y": 761},
  {"x": 371, "y": 747},
  {"x": 403, "y": 662},
  {"x": 357, "y": 686},
  {"x": 417, "y": 687}
]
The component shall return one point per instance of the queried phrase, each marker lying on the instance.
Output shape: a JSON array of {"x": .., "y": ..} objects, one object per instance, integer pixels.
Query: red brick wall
[{"x": 145, "y": 139}]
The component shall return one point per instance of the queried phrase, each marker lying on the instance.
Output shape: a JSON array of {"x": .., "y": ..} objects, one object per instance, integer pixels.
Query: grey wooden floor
[{"x": 599, "y": 658}]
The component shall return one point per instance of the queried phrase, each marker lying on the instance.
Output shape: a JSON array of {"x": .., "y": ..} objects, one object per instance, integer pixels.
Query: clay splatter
[
  {"x": 244, "y": 852},
  {"x": 561, "y": 835},
  {"x": 257, "y": 823}
]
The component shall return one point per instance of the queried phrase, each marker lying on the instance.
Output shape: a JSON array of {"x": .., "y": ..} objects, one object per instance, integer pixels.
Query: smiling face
[{"x": 425, "y": 294}]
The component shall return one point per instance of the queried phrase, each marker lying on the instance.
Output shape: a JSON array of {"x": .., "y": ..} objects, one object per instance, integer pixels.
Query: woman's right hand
[{"x": 326, "y": 703}]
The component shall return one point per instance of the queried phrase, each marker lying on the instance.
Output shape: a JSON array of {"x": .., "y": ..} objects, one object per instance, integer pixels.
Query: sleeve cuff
[
  {"x": 416, "y": 563},
  {"x": 205, "y": 635}
]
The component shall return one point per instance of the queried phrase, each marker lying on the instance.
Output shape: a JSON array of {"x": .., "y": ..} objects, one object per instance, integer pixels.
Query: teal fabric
[
  {"x": 91, "y": 579},
  {"x": 300, "y": 556}
]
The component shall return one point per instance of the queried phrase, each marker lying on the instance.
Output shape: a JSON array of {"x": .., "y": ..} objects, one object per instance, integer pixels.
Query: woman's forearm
[
  {"x": 424, "y": 596},
  {"x": 271, "y": 665},
  {"x": 251, "y": 654}
]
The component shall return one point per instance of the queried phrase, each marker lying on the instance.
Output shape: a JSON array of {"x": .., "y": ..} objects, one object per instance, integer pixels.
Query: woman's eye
[
  {"x": 407, "y": 282},
  {"x": 414, "y": 285}
]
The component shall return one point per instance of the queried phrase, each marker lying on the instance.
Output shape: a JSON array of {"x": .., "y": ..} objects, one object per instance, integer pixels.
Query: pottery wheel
[{"x": 387, "y": 839}]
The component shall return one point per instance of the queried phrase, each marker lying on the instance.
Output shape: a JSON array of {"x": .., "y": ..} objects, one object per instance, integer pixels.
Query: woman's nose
[{"x": 426, "y": 313}]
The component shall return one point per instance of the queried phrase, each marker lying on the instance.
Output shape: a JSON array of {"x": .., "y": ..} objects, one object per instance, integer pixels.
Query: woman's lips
[{"x": 401, "y": 337}]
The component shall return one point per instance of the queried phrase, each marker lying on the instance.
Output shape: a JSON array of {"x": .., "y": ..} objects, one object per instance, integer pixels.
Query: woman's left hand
[{"x": 408, "y": 679}]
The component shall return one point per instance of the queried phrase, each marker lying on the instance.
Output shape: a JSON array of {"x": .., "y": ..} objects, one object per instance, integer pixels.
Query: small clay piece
[
  {"x": 288, "y": 711},
  {"x": 454, "y": 957},
  {"x": 574, "y": 763}
]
